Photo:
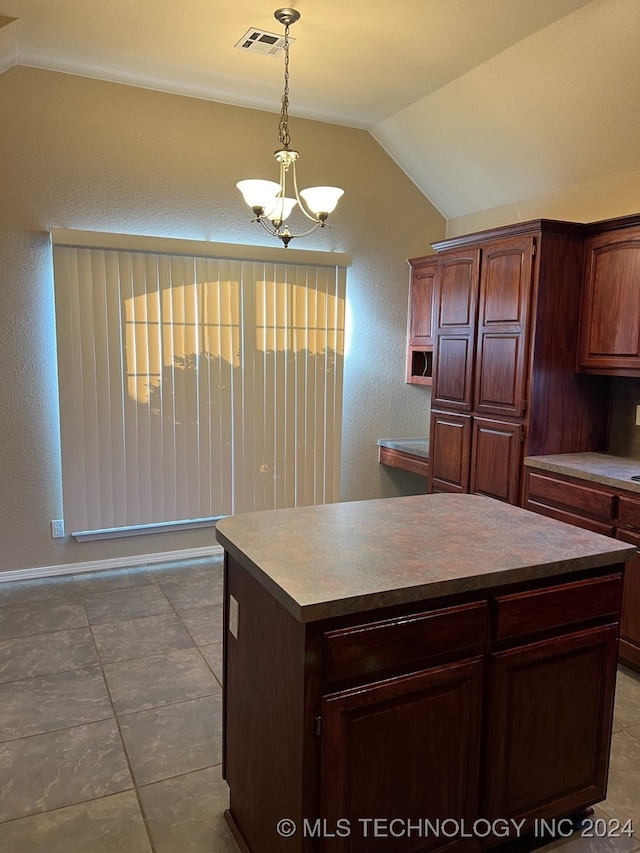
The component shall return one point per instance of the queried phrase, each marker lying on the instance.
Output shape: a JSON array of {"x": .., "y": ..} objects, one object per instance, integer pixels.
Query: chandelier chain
[
  {"x": 272, "y": 202},
  {"x": 283, "y": 129}
]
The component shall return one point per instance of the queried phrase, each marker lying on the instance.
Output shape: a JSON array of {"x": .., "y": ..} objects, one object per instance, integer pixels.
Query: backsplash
[{"x": 624, "y": 435}]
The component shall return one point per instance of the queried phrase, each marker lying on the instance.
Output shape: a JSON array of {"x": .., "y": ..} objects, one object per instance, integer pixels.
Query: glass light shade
[
  {"x": 281, "y": 210},
  {"x": 321, "y": 199},
  {"x": 258, "y": 193}
]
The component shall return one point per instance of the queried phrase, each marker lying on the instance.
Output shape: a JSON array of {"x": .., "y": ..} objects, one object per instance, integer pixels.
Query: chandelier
[{"x": 273, "y": 202}]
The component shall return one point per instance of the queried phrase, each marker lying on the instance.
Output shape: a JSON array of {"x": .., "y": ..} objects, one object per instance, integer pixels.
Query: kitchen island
[{"x": 414, "y": 661}]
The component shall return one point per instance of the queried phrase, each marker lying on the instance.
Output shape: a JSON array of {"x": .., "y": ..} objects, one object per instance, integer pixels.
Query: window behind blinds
[{"x": 193, "y": 385}]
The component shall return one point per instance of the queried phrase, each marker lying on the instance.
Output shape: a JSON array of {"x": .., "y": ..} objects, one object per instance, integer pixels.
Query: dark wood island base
[
  {"x": 237, "y": 835},
  {"x": 437, "y": 673}
]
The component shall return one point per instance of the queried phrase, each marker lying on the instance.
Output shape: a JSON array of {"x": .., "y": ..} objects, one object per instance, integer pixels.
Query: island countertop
[{"x": 334, "y": 559}]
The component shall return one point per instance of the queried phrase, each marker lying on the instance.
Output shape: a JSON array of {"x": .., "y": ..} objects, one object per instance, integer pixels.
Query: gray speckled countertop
[
  {"x": 414, "y": 446},
  {"x": 615, "y": 471},
  {"x": 342, "y": 558}
]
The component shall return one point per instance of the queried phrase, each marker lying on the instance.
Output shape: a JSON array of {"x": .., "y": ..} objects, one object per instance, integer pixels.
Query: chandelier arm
[
  {"x": 299, "y": 200},
  {"x": 311, "y": 230},
  {"x": 266, "y": 224},
  {"x": 275, "y": 232}
]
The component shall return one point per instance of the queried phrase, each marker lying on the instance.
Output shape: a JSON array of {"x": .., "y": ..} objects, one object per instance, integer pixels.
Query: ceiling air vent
[{"x": 260, "y": 41}]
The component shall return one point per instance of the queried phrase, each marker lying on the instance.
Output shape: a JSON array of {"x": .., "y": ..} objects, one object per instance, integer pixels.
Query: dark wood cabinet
[
  {"x": 423, "y": 270},
  {"x": 420, "y": 320},
  {"x": 493, "y": 703},
  {"x": 610, "y": 319},
  {"x": 630, "y": 625},
  {"x": 472, "y": 454},
  {"x": 482, "y": 306},
  {"x": 545, "y": 751},
  {"x": 628, "y": 530},
  {"x": 430, "y": 719},
  {"x": 507, "y": 306},
  {"x": 449, "y": 452},
  {"x": 414, "y": 702},
  {"x": 503, "y": 310},
  {"x": 604, "y": 510},
  {"x": 496, "y": 459},
  {"x": 455, "y": 298}
]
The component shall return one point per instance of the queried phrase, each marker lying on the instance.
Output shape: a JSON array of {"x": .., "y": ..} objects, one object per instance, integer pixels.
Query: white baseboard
[{"x": 115, "y": 563}]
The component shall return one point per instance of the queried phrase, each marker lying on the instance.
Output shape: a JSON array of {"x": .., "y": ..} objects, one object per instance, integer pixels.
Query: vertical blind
[{"x": 193, "y": 386}]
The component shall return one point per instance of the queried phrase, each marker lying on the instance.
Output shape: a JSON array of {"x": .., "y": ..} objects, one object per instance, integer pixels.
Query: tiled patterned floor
[
  {"x": 110, "y": 712},
  {"x": 110, "y": 723}
]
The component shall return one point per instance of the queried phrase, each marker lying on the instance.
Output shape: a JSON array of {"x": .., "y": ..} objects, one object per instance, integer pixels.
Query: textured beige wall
[
  {"x": 79, "y": 153},
  {"x": 604, "y": 198}
]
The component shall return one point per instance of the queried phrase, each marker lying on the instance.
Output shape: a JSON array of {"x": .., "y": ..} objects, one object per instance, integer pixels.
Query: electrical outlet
[
  {"x": 233, "y": 616},
  {"x": 57, "y": 529},
  {"x": 638, "y": 414}
]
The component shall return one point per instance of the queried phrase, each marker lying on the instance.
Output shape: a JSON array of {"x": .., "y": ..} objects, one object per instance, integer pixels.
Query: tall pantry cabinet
[{"x": 506, "y": 312}]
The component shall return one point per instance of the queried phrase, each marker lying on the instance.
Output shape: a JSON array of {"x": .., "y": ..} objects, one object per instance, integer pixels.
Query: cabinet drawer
[
  {"x": 404, "y": 641},
  {"x": 558, "y": 607},
  {"x": 585, "y": 499},
  {"x": 629, "y": 513},
  {"x": 570, "y": 518}
]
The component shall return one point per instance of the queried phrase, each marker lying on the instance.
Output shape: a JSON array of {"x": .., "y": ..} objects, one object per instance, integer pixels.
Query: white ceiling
[{"x": 481, "y": 102}]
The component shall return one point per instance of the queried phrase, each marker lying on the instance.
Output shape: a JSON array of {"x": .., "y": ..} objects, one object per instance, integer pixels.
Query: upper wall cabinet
[
  {"x": 482, "y": 306},
  {"x": 420, "y": 323},
  {"x": 503, "y": 313},
  {"x": 456, "y": 302},
  {"x": 506, "y": 309},
  {"x": 610, "y": 318}
]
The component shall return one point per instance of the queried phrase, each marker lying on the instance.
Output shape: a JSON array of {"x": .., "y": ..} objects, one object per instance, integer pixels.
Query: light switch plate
[
  {"x": 637, "y": 414},
  {"x": 233, "y": 616}
]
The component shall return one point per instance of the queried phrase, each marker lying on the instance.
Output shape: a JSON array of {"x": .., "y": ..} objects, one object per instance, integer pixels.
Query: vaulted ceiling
[{"x": 481, "y": 102}]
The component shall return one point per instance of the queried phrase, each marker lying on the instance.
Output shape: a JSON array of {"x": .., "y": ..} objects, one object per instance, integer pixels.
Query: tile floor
[
  {"x": 110, "y": 717},
  {"x": 110, "y": 712}
]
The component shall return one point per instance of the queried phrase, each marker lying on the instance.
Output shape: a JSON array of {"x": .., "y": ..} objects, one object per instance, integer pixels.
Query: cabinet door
[
  {"x": 406, "y": 748},
  {"x": 610, "y": 320},
  {"x": 496, "y": 456},
  {"x": 503, "y": 312},
  {"x": 549, "y": 724},
  {"x": 456, "y": 307},
  {"x": 630, "y": 625},
  {"x": 423, "y": 271},
  {"x": 449, "y": 452}
]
